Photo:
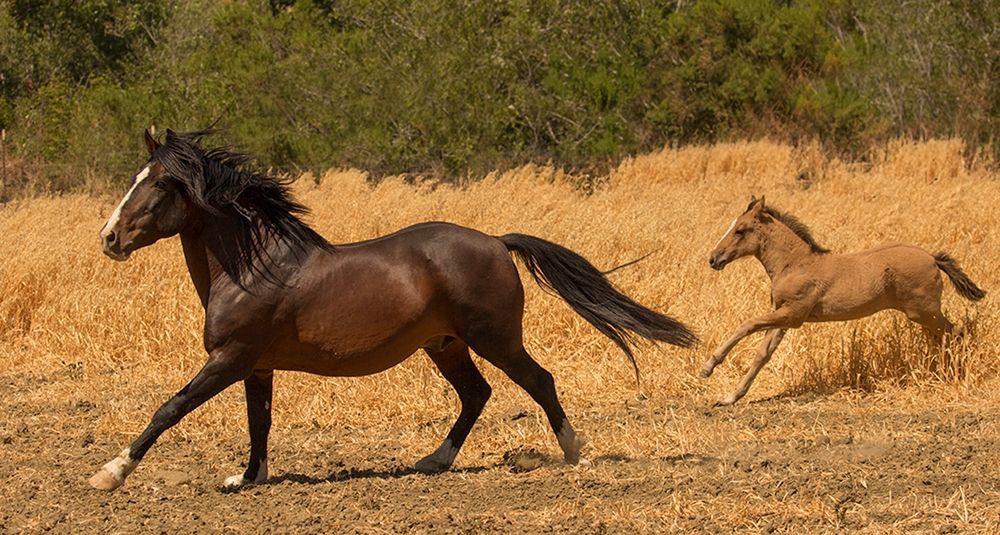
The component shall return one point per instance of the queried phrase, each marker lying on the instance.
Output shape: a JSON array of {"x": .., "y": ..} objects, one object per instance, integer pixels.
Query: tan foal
[{"x": 809, "y": 284}]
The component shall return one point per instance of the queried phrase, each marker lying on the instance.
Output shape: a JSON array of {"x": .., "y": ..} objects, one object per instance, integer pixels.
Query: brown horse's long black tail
[
  {"x": 592, "y": 296},
  {"x": 963, "y": 284}
]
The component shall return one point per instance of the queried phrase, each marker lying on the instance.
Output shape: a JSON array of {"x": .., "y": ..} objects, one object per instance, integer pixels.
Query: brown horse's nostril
[{"x": 111, "y": 238}]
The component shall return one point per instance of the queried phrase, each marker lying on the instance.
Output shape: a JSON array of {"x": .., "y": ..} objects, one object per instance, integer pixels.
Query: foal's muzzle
[{"x": 717, "y": 261}]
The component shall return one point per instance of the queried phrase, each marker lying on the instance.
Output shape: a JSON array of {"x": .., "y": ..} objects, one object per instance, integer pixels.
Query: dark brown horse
[{"x": 277, "y": 296}]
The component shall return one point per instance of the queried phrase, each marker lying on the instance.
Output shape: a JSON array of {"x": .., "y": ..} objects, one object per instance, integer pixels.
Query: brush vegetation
[{"x": 459, "y": 88}]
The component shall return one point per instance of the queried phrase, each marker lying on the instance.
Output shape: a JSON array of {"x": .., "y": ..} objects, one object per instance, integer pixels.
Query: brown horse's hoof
[
  {"x": 103, "y": 480},
  {"x": 431, "y": 465}
]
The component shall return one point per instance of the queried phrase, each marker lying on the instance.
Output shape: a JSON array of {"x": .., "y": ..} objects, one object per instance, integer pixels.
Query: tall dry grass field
[{"x": 77, "y": 329}]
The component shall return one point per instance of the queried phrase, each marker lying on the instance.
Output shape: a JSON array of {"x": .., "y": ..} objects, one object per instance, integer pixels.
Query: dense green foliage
[{"x": 453, "y": 86}]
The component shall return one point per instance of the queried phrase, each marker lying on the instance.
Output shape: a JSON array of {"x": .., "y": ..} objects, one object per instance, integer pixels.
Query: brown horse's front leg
[
  {"x": 225, "y": 366},
  {"x": 259, "y": 389},
  {"x": 783, "y": 318}
]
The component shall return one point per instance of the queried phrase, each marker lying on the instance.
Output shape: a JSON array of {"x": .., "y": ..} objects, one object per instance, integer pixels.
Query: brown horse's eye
[
  {"x": 739, "y": 233},
  {"x": 160, "y": 185}
]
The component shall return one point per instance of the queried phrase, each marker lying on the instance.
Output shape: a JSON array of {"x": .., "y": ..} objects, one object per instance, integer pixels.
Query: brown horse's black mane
[
  {"x": 221, "y": 182},
  {"x": 798, "y": 227}
]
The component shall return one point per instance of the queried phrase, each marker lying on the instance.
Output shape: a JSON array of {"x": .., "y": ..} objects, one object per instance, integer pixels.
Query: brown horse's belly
[{"x": 351, "y": 357}]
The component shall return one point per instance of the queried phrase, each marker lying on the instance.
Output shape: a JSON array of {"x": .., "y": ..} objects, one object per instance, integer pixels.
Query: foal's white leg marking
[
  {"x": 113, "y": 220},
  {"x": 726, "y": 233},
  {"x": 439, "y": 460},
  {"x": 112, "y": 475},
  {"x": 237, "y": 481}
]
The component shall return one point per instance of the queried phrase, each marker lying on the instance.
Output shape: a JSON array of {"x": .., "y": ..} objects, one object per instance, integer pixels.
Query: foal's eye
[{"x": 160, "y": 185}]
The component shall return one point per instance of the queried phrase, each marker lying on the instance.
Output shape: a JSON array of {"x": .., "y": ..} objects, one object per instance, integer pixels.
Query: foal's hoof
[
  {"x": 431, "y": 465},
  {"x": 706, "y": 370},
  {"x": 103, "y": 480},
  {"x": 727, "y": 401}
]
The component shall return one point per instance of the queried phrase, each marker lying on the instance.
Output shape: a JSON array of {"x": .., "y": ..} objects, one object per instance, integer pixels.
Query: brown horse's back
[{"x": 363, "y": 308}]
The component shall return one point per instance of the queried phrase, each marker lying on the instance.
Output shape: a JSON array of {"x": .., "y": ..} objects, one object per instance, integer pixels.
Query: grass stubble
[{"x": 122, "y": 337}]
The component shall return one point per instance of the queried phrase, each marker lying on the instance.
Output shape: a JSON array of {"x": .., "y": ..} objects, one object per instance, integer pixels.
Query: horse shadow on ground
[
  {"x": 792, "y": 394},
  {"x": 517, "y": 461},
  {"x": 356, "y": 474}
]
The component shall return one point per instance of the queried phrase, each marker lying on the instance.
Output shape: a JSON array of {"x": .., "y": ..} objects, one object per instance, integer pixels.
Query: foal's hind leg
[
  {"x": 259, "y": 390},
  {"x": 539, "y": 384},
  {"x": 935, "y": 324},
  {"x": 457, "y": 367}
]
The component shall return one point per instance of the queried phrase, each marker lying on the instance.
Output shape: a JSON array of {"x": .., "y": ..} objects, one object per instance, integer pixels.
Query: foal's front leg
[
  {"x": 225, "y": 366},
  {"x": 783, "y": 318},
  {"x": 767, "y": 348},
  {"x": 259, "y": 390}
]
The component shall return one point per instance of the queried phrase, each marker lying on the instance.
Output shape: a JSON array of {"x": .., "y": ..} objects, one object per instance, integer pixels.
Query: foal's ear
[
  {"x": 756, "y": 207},
  {"x": 151, "y": 143}
]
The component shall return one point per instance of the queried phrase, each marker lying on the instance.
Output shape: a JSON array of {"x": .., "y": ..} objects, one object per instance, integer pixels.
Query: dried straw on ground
[{"x": 124, "y": 337}]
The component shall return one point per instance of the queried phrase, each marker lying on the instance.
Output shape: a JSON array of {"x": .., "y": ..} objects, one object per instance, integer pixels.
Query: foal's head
[
  {"x": 750, "y": 233},
  {"x": 744, "y": 236},
  {"x": 155, "y": 207}
]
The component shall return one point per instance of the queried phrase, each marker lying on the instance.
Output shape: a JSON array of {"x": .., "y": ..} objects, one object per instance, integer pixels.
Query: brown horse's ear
[
  {"x": 756, "y": 207},
  {"x": 753, "y": 200},
  {"x": 151, "y": 143}
]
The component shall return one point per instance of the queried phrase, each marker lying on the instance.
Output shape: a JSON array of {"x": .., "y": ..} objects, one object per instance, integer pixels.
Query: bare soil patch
[{"x": 785, "y": 465}]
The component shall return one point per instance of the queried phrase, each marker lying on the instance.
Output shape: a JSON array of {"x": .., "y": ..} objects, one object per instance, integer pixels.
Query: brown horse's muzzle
[{"x": 112, "y": 246}]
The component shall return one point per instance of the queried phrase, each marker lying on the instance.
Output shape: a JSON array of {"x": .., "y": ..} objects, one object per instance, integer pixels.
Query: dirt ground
[
  {"x": 852, "y": 427},
  {"x": 789, "y": 464}
]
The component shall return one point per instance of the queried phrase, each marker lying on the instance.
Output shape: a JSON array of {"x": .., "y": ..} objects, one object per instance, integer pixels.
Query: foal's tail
[
  {"x": 592, "y": 296},
  {"x": 963, "y": 284}
]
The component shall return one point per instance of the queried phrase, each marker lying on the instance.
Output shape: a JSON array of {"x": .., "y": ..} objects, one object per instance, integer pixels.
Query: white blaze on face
[
  {"x": 113, "y": 220},
  {"x": 726, "y": 233}
]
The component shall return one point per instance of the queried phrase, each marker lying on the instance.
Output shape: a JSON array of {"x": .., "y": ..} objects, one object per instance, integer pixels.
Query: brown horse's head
[
  {"x": 154, "y": 207},
  {"x": 743, "y": 237}
]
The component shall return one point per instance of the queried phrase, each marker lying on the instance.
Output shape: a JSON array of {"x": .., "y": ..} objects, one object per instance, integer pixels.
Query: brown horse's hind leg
[
  {"x": 539, "y": 384},
  {"x": 259, "y": 388},
  {"x": 767, "y": 348},
  {"x": 457, "y": 367}
]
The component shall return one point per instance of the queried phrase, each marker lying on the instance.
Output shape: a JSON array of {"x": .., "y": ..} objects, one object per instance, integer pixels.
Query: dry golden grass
[{"x": 127, "y": 336}]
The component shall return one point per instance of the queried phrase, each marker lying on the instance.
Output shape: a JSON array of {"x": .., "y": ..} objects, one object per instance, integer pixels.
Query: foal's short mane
[
  {"x": 798, "y": 227},
  {"x": 221, "y": 182}
]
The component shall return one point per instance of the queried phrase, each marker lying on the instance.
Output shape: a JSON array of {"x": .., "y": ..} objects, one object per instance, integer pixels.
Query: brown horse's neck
[
  {"x": 209, "y": 251},
  {"x": 203, "y": 265},
  {"x": 780, "y": 249},
  {"x": 218, "y": 248}
]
